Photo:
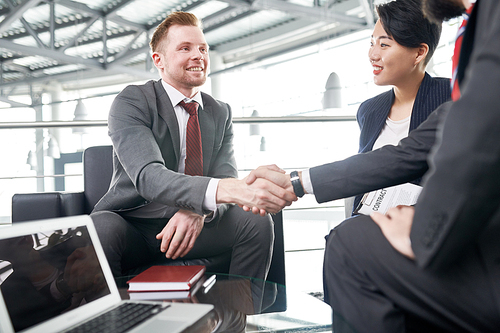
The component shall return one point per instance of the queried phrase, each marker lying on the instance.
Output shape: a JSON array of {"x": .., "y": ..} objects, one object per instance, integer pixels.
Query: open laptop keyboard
[{"x": 119, "y": 319}]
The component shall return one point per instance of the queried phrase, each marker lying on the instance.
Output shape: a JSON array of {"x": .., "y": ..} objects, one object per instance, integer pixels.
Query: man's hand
[
  {"x": 262, "y": 194},
  {"x": 180, "y": 233},
  {"x": 396, "y": 226},
  {"x": 273, "y": 174}
]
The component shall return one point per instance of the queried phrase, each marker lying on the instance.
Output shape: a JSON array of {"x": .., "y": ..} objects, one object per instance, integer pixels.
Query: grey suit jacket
[
  {"x": 384, "y": 167},
  {"x": 145, "y": 135}
]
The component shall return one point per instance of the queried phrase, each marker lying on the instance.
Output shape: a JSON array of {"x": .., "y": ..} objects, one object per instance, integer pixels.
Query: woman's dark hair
[{"x": 404, "y": 21}]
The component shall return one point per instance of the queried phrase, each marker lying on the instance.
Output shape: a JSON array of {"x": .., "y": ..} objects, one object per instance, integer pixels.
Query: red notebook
[{"x": 165, "y": 278}]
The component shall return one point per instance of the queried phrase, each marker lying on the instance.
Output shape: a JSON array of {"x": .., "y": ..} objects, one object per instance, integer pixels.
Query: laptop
[{"x": 54, "y": 277}]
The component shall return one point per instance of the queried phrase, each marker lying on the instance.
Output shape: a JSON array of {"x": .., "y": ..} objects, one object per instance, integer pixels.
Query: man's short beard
[{"x": 438, "y": 11}]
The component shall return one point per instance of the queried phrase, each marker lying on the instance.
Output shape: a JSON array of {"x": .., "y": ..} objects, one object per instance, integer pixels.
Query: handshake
[{"x": 266, "y": 189}]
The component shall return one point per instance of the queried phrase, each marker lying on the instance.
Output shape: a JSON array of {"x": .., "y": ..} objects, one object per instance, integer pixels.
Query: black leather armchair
[{"x": 97, "y": 172}]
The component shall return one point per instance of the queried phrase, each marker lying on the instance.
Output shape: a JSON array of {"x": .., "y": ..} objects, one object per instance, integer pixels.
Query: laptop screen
[{"x": 45, "y": 274}]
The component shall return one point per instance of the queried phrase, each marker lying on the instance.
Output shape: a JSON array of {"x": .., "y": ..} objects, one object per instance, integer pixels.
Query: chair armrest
[
  {"x": 277, "y": 270},
  {"x": 44, "y": 205},
  {"x": 72, "y": 203}
]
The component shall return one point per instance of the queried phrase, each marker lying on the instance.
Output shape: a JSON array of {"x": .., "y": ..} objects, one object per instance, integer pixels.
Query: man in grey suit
[{"x": 155, "y": 211}]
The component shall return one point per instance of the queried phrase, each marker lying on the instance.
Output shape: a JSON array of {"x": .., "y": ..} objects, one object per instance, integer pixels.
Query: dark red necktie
[
  {"x": 455, "y": 90},
  {"x": 194, "y": 154}
]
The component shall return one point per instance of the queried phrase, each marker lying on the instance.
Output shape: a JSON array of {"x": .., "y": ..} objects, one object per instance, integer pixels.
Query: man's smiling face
[{"x": 183, "y": 60}]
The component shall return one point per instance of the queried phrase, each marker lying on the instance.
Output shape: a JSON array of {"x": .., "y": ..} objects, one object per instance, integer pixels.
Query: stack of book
[{"x": 166, "y": 282}]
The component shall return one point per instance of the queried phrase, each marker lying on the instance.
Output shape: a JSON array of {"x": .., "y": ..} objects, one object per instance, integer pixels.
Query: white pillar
[
  {"x": 216, "y": 64},
  {"x": 55, "y": 90}
]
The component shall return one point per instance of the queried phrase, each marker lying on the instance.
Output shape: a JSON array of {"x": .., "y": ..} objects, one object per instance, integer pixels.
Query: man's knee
[
  {"x": 109, "y": 225},
  {"x": 252, "y": 226},
  {"x": 262, "y": 227},
  {"x": 349, "y": 244},
  {"x": 352, "y": 232}
]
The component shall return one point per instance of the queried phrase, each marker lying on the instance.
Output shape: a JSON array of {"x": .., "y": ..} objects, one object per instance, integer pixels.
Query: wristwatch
[{"x": 297, "y": 185}]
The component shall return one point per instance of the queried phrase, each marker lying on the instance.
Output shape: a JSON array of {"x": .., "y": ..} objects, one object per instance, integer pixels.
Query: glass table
[{"x": 248, "y": 305}]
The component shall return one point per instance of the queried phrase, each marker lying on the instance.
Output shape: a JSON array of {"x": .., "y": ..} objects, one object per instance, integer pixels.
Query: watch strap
[{"x": 297, "y": 185}]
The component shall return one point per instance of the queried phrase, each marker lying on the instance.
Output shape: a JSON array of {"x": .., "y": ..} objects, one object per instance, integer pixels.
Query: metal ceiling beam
[
  {"x": 59, "y": 56},
  {"x": 116, "y": 8},
  {"x": 312, "y": 13},
  {"x": 233, "y": 18},
  {"x": 52, "y": 25},
  {"x": 105, "y": 41},
  {"x": 13, "y": 103},
  {"x": 122, "y": 21},
  {"x": 47, "y": 29},
  {"x": 135, "y": 75},
  {"x": 128, "y": 53},
  {"x": 32, "y": 33},
  {"x": 16, "y": 13},
  {"x": 368, "y": 8},
  {"x": 17, "y": 68},
  {"x": 285, "y": 49},
  {"x": 287, "y": 46},
  {"x": 267, "y": 36},
  {"x": 80, "y": 34},
  {"x": 219, "y": 16},
  {"x": 79, "y": 7}
]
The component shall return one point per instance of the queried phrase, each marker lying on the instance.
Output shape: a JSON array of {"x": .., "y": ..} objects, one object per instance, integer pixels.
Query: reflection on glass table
[{"x": 247, "y": 305}]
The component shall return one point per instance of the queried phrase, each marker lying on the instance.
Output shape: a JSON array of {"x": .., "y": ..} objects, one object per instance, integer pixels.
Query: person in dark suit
[
  {"x": 435, "y": 266},
  {"x": 402, "y": 44},
  {"x": 161, "y": 205}
]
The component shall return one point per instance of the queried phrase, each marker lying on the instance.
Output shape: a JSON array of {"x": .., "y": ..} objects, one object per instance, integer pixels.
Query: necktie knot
[{"x": 191, "y": 107}]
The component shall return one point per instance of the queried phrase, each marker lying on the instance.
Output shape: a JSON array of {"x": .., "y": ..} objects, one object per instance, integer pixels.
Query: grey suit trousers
[{"x": 246, "y": 239}]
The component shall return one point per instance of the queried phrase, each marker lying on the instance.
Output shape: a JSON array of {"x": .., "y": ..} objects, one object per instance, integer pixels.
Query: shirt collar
[{"x": 176, "y": 96}]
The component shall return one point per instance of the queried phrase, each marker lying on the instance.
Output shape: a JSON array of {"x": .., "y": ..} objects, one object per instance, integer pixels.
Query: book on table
[
  {"x": 166, "y": 295},
  {"x": 166, "y": 278}
]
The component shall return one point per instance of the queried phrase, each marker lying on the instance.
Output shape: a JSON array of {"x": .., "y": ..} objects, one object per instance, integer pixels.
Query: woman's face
[{"x": 392, "y": 63}]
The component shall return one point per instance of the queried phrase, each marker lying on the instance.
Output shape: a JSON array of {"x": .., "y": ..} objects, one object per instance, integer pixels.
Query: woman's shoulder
[
  {"x": 376, "y": 102},
  {"x": 439, "y": 82}
]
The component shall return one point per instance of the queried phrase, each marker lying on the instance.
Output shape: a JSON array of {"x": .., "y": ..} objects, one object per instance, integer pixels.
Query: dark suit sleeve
[
  {"x": 462, "y": 189},
  {"x": 387, "y": 166}
]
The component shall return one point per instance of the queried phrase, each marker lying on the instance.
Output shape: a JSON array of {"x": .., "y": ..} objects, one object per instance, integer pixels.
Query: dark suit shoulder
[
  {"x": 374, "y": 104},
  {"x": 439, "y": 86}
]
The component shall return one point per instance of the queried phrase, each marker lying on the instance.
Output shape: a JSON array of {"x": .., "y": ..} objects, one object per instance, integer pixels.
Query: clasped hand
[{"x": 281, "y": 187}]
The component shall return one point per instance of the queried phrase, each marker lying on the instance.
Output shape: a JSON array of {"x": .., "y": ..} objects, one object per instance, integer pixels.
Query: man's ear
[
  {"x": 157, "y": 60},
  {"x": 422, "y": 52}
]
